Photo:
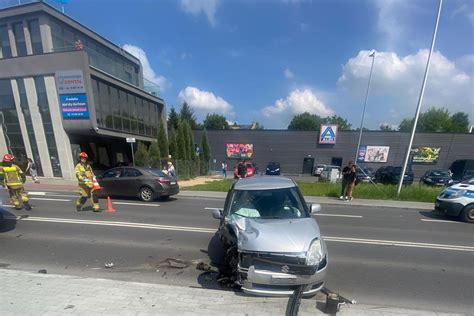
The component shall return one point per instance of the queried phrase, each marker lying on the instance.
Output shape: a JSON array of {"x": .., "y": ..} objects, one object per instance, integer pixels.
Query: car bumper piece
[{"x": 448, "y": 208}]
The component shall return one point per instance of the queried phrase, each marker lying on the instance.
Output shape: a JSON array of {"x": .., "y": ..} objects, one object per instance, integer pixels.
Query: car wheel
[
  {"x": 146, "y": 194},
  {"x": 467, "y": 214}
]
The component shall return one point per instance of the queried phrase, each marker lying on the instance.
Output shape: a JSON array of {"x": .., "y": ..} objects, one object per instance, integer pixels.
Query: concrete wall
[{"x": 289, "y": 148}]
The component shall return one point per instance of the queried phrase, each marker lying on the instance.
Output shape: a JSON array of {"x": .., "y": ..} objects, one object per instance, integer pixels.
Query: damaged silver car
[{"x": 271, "y": 243}]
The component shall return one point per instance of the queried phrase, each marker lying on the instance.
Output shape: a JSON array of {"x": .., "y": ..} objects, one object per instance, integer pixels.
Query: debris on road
[
  {"x": 174, "y": 263},
  {"x": 43, "y": 271},
  {"x": 69, "y": 307},
  {"x": 109, "y": 265},
  {"x": 203, "y": 267}
]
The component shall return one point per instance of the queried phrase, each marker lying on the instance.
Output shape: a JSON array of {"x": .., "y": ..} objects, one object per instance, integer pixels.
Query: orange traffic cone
[
  {"x": 110, "y": 208},
  {"x": 95, "y": 183}
]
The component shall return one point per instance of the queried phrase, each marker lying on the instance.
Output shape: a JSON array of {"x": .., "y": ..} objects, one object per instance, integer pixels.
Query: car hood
[{"x": 275, "y": 235}]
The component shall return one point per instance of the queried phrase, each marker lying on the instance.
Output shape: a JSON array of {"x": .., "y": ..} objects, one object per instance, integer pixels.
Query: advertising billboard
[
  {"x": 70, "y": 82},
  {"x": 74, "y": 106},
  {"x": 239, "y": 150},
  {"x": 328, "y": 134},
  {"x": 373, "y": 153},
  {"x": 425, "y": 154}
]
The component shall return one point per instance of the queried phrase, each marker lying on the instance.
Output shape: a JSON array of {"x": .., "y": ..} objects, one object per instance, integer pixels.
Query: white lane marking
[
  {"x": 56, "y": 195},
  {"x": 46, "y": 199},
  {"x": 399, "y": 243},
  {"x": 212, "y": 208},
  {"x": 36, "y": 193},
  {"x": 439, "y": 220},
  {"x": 339, "y": 215},
  {"x": 120, "y": 224},
  {"x": 140, "y": 204},
  {"x": 211, "y": 231},
  {"x": 7, "y": 206}
]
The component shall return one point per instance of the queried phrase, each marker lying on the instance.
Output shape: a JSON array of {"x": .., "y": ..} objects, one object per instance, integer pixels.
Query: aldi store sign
[{"x": 74, "y": 106}]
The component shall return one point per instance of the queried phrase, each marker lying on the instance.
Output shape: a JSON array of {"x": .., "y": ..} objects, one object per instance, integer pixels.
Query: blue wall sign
[{"x": 74, "y": 106}]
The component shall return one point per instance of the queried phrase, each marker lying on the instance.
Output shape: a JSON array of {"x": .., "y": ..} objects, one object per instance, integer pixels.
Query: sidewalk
[
  {"x": 26, "y": 293},
  {"x": 69, "y": 185}
]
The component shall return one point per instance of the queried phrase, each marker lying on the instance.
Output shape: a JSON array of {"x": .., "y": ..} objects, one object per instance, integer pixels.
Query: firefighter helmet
[
  {"x": 83, "y": 155},
  {"x": 8, "y": 158}
]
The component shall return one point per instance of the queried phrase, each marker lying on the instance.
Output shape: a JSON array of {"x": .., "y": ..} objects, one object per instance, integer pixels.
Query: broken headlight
[{"x": 315, "y": 253}]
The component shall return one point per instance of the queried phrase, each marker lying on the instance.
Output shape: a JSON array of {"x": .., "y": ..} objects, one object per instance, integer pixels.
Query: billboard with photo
[
  {"x": 239, "y": 150},
  {"x": 373, "y": 153},
  {"x": 425, "y": 154}
]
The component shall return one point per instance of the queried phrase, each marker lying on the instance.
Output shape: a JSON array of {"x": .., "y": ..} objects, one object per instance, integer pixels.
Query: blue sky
[{"x": 268, "y": 60}]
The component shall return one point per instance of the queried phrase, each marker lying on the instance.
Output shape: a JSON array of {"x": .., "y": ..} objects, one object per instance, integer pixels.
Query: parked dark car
[
  {"x": 462, "y": 169},
  {"x": 391, "y": 175},
  {"x": 144, "y": 183},
  {"x": 364, "y": 174},
  {"x": 436, "y": 178},
  {"x": 273, "y": 169}
]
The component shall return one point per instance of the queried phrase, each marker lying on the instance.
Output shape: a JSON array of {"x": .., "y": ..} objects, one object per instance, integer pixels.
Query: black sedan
[
  {"x": 436, "y": 178},
  {"x": 144, "y": 183},
  {"x": 273, "y": 169}
]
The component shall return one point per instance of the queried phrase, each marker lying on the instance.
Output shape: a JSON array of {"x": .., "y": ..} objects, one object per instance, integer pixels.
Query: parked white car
[{"x": 458, "y": 200}]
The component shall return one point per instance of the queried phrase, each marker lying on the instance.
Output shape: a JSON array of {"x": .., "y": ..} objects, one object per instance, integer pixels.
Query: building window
[
  {"x": 5, "y": 42},
  {"x": 20, "y": 42},
  {"x": 35, "y": 34},
  {"x": 9, "y": 117},
  {"x": 29, "y": 125},
  {"x": 43, "y": 107}
]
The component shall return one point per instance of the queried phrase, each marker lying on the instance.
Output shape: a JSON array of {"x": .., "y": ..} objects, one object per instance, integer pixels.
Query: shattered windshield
[{"x": 266, "y": 204}]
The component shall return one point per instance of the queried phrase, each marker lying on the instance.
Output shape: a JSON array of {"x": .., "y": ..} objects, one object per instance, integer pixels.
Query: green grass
[{"x": 362, "y": 191}]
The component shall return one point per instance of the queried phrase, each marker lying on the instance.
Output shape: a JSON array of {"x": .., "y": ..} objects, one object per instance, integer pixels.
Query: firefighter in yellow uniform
[
  {"x": 12, "y": 179},
  {"x": 85, "y": 175}
]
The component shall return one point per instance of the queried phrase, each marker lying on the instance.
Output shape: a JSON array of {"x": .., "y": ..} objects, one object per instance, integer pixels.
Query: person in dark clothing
[
  {"x": 345, "y": 179},
  {"x": 241, "y": 169},
  {"x": 351, "y": 180}
]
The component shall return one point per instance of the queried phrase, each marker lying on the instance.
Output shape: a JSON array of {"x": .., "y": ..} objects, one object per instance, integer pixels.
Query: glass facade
[
  {"x": 35, "y": 35},
  {"x": 29, "y": 125},
  {"x": 11, "y": 126},
  {"x": 19, "y": 39},
  {"x": 123, "y": 111},
  {"x": 100, "y": 56},
  {"x": 43, "y": 107},
  {"x": 5, "y": 42}
]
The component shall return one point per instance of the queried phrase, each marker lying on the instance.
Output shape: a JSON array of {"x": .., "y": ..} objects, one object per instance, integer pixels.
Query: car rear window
[
  {"x": 439, "y": 173},
  {"x": 157, "y": 172}
]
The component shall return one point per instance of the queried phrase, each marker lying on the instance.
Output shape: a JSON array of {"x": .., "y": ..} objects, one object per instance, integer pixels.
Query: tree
[
  {"x": 191, "y": 148},
  {"x": 173, "y": 119},
  {"x": 437, "y": 120},
  {"x": 215, "y": 121},
  {"x": 259, "y": 126},
  {"x": 385, "y": 127},
  {"x": 343, "y": 124},
  {"x": 187, "y": 114},
  {"x": 173, "y": 146},
  {"x": 163, "y": 142},
  {"x": 186, "y": 139},
  {"x": 206, "y": 153},
  {"x": 155, "y": 155},
  {"x": 181, "y": 142},
  {"x": 305, "y": 122},
  {"x": 460, "y": 122},
  {"x": 142, "y": 158}
]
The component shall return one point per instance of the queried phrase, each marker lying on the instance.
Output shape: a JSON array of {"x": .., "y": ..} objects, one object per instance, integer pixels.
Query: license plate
[{"x": 173, "y": 182}]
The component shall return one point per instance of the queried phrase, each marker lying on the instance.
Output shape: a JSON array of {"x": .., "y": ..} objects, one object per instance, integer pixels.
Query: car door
[
  {"x": 131, "y": 181},
  {"x": 110, "y": 181}
]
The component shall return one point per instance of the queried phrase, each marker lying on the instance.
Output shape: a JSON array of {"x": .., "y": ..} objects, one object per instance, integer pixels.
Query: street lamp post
[
  {"x": 420, "y": 100},
  {"x": 372, "y": 54}
]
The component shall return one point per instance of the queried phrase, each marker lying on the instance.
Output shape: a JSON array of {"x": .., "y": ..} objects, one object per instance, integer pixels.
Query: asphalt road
[{"x": 381, "y": 256}]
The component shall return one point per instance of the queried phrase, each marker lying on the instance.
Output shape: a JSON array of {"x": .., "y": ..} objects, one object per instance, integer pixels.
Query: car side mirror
[
  {"x": 217, "y": 214},
  {"x": 315, "y": 208}
]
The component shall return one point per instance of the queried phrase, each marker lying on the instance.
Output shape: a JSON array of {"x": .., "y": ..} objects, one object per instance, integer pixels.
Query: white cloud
[
  {"x": 298, "y": 101},
  {"x": 206, "y": 7},
  {"x": 288, "y": 74},
  {"x": 397, "y": 82},
  {"x": 465, "y": 10},
  {"x": 148, "y": 72},
  {"x": 204, "y": 102}
]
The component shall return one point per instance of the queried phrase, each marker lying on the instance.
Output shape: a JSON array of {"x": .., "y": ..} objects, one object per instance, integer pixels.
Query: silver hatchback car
[{"x": 272, "y": 243}]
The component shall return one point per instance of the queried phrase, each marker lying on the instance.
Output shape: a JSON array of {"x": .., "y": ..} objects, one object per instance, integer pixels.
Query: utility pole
[{"x": 420, "y": 100}]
